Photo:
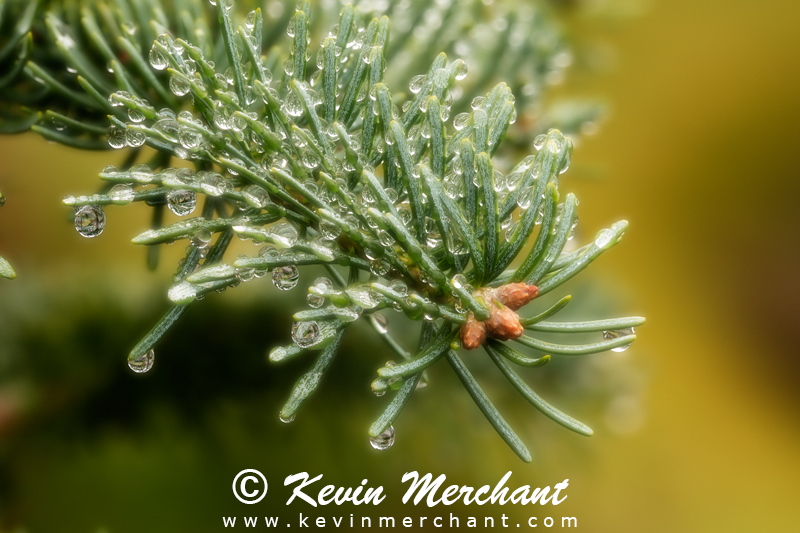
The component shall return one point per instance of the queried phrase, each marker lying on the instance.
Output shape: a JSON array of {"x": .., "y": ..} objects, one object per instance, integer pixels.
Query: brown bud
[
  {"x": 515, "y": 295},
  {"x": 473, "y": 333},
  {"x": 503, "y": 324}
]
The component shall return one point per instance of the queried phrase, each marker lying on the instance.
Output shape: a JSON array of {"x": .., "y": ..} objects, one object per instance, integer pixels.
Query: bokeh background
[{"x": 696, "y": 426}]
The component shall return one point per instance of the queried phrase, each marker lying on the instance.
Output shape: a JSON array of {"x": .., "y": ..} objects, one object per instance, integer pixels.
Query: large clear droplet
[
  {"x": 460, "y": 120},
  {"x": 416, "y": 83},
  {"x": 90, "y": 220},
  {"x": 306, "y": 334},
  {"x": 157, "y": 59},
  {"x": 255, "y": 196},
  {"x": 284, "y": 233},
  {"x": 201, "y": 238},
  {"x": 116, "y": 137},
  {"x": 213, "y": 183},
  {"x": 461, "y": 73},
  {"x": 179, "y": 86},
  {"x": 617, "y": 333},
  {"x": 380, "y": 322},
  {"x": 142, "y": 363},
  {"x": 329, "y": 230},
  {"x": 135, "y": 115},
  {"x": 285, "y": 277},
  {"x": 459, "y": 281},
  {"x": 121, "y": 194},
  {"x": 134, "y": 138},
  {"x": 383, "y": 441}
]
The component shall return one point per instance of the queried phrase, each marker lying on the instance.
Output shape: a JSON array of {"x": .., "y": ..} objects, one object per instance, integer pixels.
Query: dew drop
[
  {"x": 378, "y": 267},
  {"x": 182, "y": 202},
  {"x": 285, "y": 234},
  {"x": 380, "y": 322},
  {"x": 383, "y": 441},
  {"x": 90, "y": 220},
  {"x": 617, "y": 333},
  {"x": 142, "y": 174},
  {"x": 256, "y": 196},
  {"x": 416, "y": 83},
  {"x": 201, "y": 238},
  {"x": 286, "y": 420},
  {"x": 213, "y": 183},
  {"x": 285, "y": 277},
  {"x": 135, "y": 115},
  {"x": 188, "y": 138},
  {"x": 178, "y": 86},
  {"x": 134, "y": 138},
  {"x": 459, "y": 281},
  {"x": 116, "y": 137},
  {"x": 462, "y": 71},
  {"x": 121, "y": 194},
  {"x": 306, "y": 334},
  {"x": 329, "y": 230},
  {"x": 143, "y": 362},
  {"x": 460, "y": 120},
  {"x": 157, "y": 59}
]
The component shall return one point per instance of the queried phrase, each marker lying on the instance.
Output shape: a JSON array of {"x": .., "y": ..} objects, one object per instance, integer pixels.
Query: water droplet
[
  {"x": 293, "y": 105},
  {"x": 306, "y": 334},
  {"x": 256, "y": 196},
  {"x": 380, "y": 322},
  {"x": 329, "y": 230},
  {"x": 135, "y": 115},
  {"x": 385, "y": 238},
  {"x": 157, "y": 59},
  {"x": 462, "y": 71},
  {"x": 615, "y": 334},
  {"x": 201, "y": 238},
  {"x": 284, "y": 233},
  {"x": 121, "y": 194},
  {"x": 90, "y": 220},
  {"x": 286, "y": 420},
  {"x": 223, "y": 117},
  {"x": 178, "y": 85},
  {"x": 315, "y": 300},
  {"x": 416, "y": 83},
  {"x": 477, "y": 102},
  {"x": 460, "y": 120},
  {"x": 378, "y": 267},
  {"x": 143, "y": 362},
  {"x": 524, "y": 198},
  {"x": 383, "y": 441},
  {"x": 285, "y": 277},
  {"x": 212, "y": 183},
  {"x": 169, "y": 129},
  {"x": 245, "y": 274},
  {"x": 134, "y": 138},
  {"x": 182, "y": 202},
  {"x": 189, "y": 138},
  {"x": 116, "y": 137},
  {"x": 460, "y": 281}
]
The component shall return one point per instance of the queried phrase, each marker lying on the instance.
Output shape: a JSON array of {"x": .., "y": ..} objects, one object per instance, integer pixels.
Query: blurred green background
[{"x": 696, "y": 426}]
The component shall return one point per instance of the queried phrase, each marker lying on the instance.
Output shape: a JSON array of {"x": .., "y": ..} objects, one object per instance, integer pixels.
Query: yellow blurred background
[{"x": 699, "y": 153}]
